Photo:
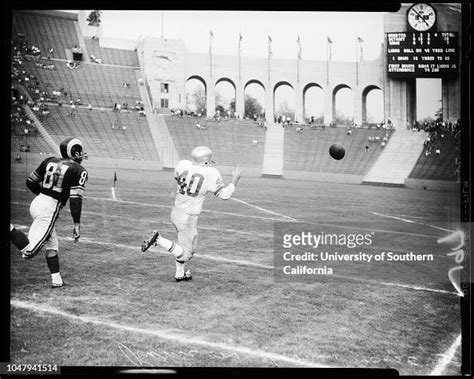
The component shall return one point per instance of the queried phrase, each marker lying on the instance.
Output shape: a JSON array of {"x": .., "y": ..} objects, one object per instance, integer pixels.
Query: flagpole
[
  {"x": 298, "y": 48},
  {"x": 357, "y": 61},
  {"x": 210, "y": 53},
  {"x": 327, "y": 61},
  {"x": 328, "y": 56},
  {"x": 162, "y": 20},
  {"x": 269, "y": 54},
  {"x": 240, "y": 73}
]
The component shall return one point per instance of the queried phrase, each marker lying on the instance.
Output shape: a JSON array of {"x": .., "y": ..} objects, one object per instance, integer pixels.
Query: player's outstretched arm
[
  {"x": 236, "y": 173},
  {"x": 228, "y": 190}
]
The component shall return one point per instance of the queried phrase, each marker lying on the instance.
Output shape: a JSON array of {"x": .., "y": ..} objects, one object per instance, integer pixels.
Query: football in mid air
[{"x": 337, "y": 151}]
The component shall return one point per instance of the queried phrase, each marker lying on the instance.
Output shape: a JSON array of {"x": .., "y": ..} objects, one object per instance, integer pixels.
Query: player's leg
[
  {"x": 52, "y": 260},
  {"x": 187, "y": 239},
  {"x": 157, "y": 239},
  {"x": 18, "y": 238},
  {"x": 45, "y": 214}
]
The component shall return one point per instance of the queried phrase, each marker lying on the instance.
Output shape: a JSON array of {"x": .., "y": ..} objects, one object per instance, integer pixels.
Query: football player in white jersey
[{"x": 196, "y": 179}]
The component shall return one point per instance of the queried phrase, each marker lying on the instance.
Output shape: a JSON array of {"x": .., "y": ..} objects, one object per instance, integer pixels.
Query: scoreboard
[{"x": 422, "y": 55}]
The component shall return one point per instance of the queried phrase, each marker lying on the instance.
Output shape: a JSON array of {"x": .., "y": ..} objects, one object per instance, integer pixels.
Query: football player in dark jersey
[{"x": 54, "y": 182}]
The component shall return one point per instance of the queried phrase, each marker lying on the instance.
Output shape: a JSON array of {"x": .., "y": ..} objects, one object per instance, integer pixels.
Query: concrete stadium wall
[
  {"x": 432, "y": 185},
  {"x": 105, "y": 167}
]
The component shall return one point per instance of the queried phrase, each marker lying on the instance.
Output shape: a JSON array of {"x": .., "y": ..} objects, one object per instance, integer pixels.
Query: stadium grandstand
[{"x": 99, "y": 99}]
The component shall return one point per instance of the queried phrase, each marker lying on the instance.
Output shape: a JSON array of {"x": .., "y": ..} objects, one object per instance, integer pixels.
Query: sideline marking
[
  {"x": 154, "y": 221},
  {"x": 260, "y": 265},
  {"x": 412, "y": 222},
  {"x": 263, "y": 209},
  {"x": 170, "y": 206},
  {"x": 447, "y": 357},
  {"x": 257, "y": 217},
  {"x": 165, "y": 335}
]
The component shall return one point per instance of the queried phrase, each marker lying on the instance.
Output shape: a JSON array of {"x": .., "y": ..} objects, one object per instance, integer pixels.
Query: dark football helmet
[{"x": 70, "y": 147}]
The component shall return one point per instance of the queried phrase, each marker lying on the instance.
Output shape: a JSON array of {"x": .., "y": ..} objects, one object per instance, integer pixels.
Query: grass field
[{"x": 122, "y": 307}]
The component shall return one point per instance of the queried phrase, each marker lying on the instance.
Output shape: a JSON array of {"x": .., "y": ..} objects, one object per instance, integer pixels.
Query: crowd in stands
[
  {"x": 439, "y": 131},
  {"x": 438, "y": 125},
  {"x": 21, "y": 124},
  {"x": 125, "y": 107},
  {"x": 94, "y": 59}
]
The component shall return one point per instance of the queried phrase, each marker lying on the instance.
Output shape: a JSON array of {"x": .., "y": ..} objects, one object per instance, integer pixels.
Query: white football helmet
[{"x": 202, "y": 156}]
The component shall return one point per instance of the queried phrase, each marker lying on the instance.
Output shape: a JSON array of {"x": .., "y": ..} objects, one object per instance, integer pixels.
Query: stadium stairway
[
  {"x": 159, "y": 131},
  {"x": 274, "y": 148},
  {"x": 396, "y": 162},
  {"x": 42, "y": 131}
]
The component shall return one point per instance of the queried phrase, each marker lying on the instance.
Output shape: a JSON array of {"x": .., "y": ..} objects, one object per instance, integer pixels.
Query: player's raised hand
[
  {"x": 76, "y": 232},
  {"x": 236, "y": 174}
]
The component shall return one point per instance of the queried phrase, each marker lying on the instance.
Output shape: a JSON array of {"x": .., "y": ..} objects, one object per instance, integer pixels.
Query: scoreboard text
[{"x": 422, "y": 54}]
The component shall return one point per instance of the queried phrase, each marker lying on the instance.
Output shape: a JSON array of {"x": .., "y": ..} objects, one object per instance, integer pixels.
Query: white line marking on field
[
  {"x": 170, "y": 206},
  {"x": 447, "y": 357},
  {"x": 250, "y": 233},
  {"x": 113, "y": 193},
  {"x": 165, "y": 335},
  {"x": 263, "y": 209},
  {"x": 204, "y": 210},
  {"x": 411, "y": 221},
  {"x": 154, "y": 221},
  {"x": 260, "y": 265}
]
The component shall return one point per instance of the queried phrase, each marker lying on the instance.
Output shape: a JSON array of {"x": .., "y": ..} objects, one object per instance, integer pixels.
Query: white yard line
[
  {"x": 411, "y": 221},
  {"x": 240, "y": 215},
  {"x": 263, "y": 209},
  {"x": 242, "y": 262},
  {"x": 281, "y": 218},
  {"x": 180, "y": 338},
  {"x": 154, "y": 222},
  {"x": 447, "y": 357},
  {"x": 204, "y": 210}
]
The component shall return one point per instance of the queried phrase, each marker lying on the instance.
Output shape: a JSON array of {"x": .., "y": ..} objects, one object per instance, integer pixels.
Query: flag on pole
[
  {"x": 211, "y": 37},
  {"x": 240, "y": 40},
  {"x": 361, "y": 54},
  {"x": 299, "y": 47},
  {"x": 329, "y": 49},
  {"x": 115, "y": 177},
  {"x": 269, "y": 46}
]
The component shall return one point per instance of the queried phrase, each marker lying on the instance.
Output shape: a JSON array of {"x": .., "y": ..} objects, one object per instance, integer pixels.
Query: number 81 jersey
[
  {"x": 194, "y": 183},
  {"x": 60, "y": 178}
]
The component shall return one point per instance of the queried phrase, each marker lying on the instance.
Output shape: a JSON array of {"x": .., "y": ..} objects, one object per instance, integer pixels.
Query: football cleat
[
  {"x": 58, "y": 285},
  {"x": 152, "y": 241},
  {"x": 187, "y": 276},
  {"x": 29, "y": 255}
]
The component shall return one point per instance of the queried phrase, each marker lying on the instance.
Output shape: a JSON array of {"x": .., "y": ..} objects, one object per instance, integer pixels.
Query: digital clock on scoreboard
[{"x": 422, "y": 54}]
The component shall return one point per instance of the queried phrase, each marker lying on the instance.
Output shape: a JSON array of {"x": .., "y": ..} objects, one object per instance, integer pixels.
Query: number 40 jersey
[
  {"x": 194, "y": 183},
  {"x": 60, "y": 178}
]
